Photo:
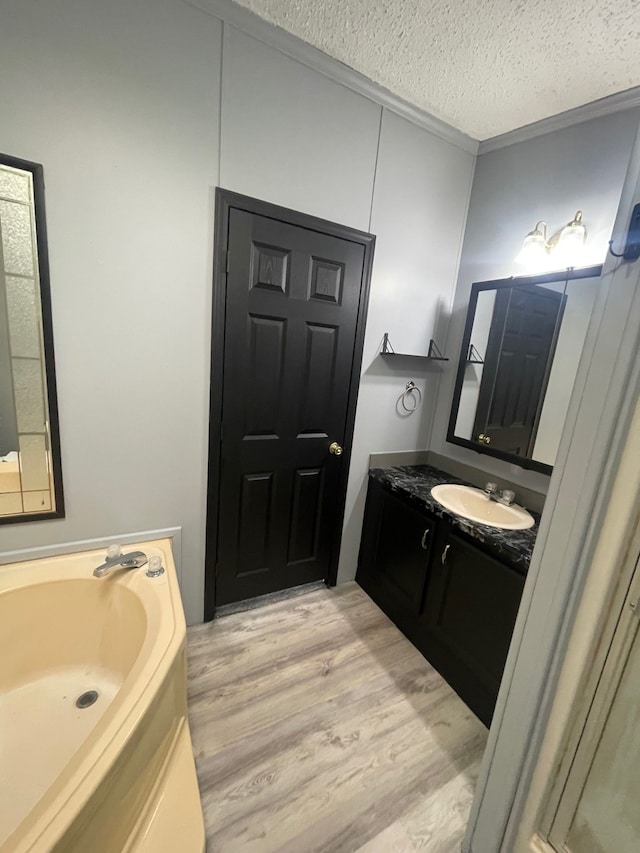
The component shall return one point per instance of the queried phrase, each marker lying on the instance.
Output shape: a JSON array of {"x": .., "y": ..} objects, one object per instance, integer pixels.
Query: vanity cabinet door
[
  {"x": 467, "y": 621},
  {"x": 394, "y": 556}
]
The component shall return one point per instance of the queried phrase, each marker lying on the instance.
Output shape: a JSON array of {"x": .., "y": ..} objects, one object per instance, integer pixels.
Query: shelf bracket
[
  {"x": 434, "y": 351},
  {"x": 473, "y": 356}
]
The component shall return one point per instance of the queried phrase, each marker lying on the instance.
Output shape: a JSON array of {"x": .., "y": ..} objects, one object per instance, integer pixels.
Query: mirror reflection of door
[{"x": 520, "y": 350}]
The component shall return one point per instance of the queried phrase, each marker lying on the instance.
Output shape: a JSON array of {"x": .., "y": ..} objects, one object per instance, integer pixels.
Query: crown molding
[
  {"x": 306, "y": 54},
  {"x": 626, "y": 100},
  {"x": 297, "y": 49}
]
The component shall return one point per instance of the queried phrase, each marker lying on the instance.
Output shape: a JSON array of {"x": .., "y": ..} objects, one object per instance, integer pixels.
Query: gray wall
[
  {"x": 549, "y": 177},
  {"x": 421, "y": 194},
  {"x": 136, "y": 119},
  {"x": 120, "y": 102}
]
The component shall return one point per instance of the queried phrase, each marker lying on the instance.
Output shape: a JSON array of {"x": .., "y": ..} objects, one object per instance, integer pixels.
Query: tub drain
[{"x": 86, "y": 700}]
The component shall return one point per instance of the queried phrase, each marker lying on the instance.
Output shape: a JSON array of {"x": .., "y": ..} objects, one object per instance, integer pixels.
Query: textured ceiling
[{"x": 483, "y": 66}]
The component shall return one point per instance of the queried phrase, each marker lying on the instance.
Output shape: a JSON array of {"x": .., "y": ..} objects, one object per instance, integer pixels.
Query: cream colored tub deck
[{"x": 93, "y": 778}]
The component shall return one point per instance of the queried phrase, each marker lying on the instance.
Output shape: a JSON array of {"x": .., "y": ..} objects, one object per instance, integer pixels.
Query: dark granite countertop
[{"x": 414, "y": 484}]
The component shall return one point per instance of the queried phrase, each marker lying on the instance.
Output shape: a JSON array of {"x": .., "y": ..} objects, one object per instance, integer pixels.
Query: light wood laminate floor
[{"x": 318, "y": 727}]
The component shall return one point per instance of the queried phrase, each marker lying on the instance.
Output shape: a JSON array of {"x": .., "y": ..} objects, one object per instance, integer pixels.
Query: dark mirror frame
[
  {"x": 37, "y": 171},
  {"x": 567, "y": 275}
]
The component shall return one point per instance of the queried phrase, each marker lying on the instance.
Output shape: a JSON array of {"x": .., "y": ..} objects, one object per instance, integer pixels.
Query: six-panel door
[{"x": 291, "y": 311}]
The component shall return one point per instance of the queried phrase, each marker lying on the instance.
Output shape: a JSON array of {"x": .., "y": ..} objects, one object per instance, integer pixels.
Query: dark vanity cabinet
[
  {"x": 469, "y": 611},
  {"x": 395, "y": 550},
  {"x": 456, "y": 602}
]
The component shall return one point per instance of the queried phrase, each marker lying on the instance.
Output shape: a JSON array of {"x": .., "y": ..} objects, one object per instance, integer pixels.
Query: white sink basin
[{"x": 475, "y": 505}]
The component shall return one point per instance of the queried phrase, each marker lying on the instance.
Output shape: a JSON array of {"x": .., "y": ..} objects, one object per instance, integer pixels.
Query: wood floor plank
[
  {"x": 318, "y": 727},
  {"x": 323, "y": 654},
  {"x": 282, "y": 697}
]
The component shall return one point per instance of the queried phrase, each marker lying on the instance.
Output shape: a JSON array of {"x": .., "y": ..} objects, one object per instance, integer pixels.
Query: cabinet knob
[
  {"x": 424, "y": 539},
  {"x": 443, "y": 559}
]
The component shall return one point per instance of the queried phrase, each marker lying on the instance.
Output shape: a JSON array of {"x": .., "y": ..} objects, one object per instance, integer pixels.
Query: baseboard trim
[
  {"x": 269, "y": 598},
  {"x": 539, "y": 845}
]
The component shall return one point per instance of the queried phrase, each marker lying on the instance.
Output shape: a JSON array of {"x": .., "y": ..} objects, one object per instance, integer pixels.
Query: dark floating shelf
[
  {"x": 473, "y": 356},
  {"x": 433, "y": 354}
]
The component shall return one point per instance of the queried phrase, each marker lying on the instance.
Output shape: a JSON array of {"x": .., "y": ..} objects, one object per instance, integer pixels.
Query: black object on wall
[
  {"x": 500, "y": 285},
  {"x": 631, "y": 250},
  {"x": 47, "y": 339}
]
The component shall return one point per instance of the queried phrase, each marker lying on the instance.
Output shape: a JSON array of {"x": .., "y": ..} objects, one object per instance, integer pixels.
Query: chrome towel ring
[{"x": 411, "y": 394}]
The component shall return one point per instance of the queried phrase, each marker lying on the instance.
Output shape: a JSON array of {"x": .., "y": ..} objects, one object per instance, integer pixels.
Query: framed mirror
[
  {"x": 522, "y": 345},
  {"x": 30, "y": 472}
]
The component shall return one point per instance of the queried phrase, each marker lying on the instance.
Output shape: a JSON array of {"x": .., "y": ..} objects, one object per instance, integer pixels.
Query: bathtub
[{"x": 118, "y": 774}]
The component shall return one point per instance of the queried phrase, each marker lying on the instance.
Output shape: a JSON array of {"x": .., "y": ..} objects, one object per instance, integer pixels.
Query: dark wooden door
[
  {"x": 291, "y": 356},
  {"x": 519, "y": 354}
]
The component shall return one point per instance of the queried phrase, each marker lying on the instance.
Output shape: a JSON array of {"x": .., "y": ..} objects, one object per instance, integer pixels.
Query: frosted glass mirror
[
  {"x": 30, "y": 474},
  {"x": 522, "y": 346}
]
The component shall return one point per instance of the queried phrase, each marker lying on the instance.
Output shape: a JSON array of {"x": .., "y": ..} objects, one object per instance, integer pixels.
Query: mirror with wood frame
[
  {"x": 30, "y": 472},
  {"x": 522, "y": 345}
]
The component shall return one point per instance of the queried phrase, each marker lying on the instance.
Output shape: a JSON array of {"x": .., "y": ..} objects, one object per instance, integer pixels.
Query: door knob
[
  {"x": 335, "y": 448},
  {"x": 484, "y": 438}
]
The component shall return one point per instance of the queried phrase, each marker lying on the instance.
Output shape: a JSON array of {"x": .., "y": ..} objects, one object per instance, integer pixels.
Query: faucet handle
[
  {"x": 490, "y": 489},
  {"x": 508, "y": 497},
  {"x": 113, "y": 551}
]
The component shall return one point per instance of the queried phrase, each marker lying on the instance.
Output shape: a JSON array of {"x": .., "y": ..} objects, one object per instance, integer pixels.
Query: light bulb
[
  {"x": 534, "y": 247},
  {"x": 570, "y": 248}
]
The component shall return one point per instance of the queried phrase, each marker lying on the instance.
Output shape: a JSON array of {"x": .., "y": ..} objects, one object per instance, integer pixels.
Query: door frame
[
  {"x": 225, "y": 201},
  {"x": 591, "y": 448},
  {"x": 593, "y": 705},
  {"x": 595, "y": 655}
]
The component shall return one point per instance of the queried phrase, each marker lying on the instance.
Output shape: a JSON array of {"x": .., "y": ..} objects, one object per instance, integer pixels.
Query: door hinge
[{"x": 226, "y": 262}]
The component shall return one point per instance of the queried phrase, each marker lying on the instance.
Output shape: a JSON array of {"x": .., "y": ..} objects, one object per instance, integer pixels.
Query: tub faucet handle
[{"x": 155, "y": 567}]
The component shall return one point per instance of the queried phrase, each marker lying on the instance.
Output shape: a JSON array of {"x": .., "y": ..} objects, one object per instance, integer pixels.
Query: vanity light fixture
[{"x": 565, "y": 245}]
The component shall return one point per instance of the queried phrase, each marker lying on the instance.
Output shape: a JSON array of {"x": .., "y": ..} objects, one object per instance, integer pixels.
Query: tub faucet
[{"x": 132, "y": 560}]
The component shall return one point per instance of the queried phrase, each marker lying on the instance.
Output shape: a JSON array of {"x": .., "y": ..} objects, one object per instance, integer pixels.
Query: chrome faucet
[
  {"x": 493, "y": 493},
  {"x": 132, "y": 560}
]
